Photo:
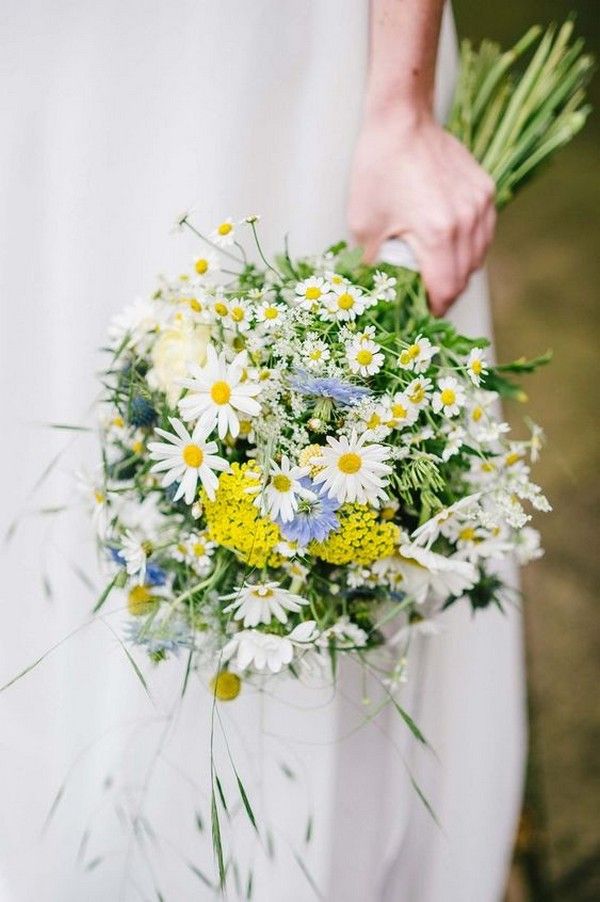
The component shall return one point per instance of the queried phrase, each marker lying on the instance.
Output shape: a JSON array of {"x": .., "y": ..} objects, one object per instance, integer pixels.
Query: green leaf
[
  {"x": 105, "y": 593},
  {"x": 200, "y": 875},
  {"x": 246, "y": 802},
  {"x": 409, "y": 722},
  {"x": 216, "y": 838},
  {"x": 221, "y": 794}
]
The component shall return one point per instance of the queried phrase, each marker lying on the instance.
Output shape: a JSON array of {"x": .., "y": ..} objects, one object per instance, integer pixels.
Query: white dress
[{"x": 114, "y": 118}]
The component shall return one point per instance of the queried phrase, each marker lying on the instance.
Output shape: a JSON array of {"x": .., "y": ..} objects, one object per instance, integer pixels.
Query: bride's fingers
[{"x": 439, "y": 269}]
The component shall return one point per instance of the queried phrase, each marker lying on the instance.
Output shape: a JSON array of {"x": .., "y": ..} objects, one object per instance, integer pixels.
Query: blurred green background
[{"x": 545, "y": 274}]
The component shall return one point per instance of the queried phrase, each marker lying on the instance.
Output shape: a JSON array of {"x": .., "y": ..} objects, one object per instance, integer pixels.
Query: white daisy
[
  {"x": 261, "y": 602},
  {"x": 449, "y": 398},
  {"x": 364, "y": 357},
  {"x": 418, "y": 391},
  {"x": 428, "y": 573},
  {"x": 240, "y": 314},
  {"x": 476, "y": 366},
  {"x": 134, "y": 553},
  {"x": 345, "y": 303},
  {"x": 311, "y": 293},
  {"x": 527, "y": 545},
  {"x": 315, "y": 353},
  {"x": 384, "y": 286},
  {"x": 279, "y": 499},
  {"x": 265, "y": 651},
  {"x": 269, "y": 312},
  {"x": 353, "y": 470},
  {"x": 187, "y": 458},
  {"x": 401, "y": 411},
  {"x": 454, "y": 442},
  {"x": 417, "y": 356},
  {"x": 428, "y": 532},
  {"x": 217, "y": 393},
  {"x": 195, "y": 549},
  {"x": 224, "y": 233},
  {"x": 206, "y": 265}
]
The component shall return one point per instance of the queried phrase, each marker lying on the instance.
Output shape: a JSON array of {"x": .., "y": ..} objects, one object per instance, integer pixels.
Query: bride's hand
[{"x": 413, "y": 180}]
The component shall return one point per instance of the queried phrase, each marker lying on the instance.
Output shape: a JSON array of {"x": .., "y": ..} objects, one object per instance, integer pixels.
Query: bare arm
[{"x": 410, "y": 177}]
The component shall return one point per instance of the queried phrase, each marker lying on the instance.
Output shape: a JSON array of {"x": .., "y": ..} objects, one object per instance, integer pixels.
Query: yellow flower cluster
[
  {"x": 360, "y": 538},
  {"x": 234, "y": 521}
]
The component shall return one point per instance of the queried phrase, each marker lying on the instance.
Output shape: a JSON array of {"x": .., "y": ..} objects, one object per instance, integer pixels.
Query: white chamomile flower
[
  {"x": 417, "y": 356},
  {"x": 260, "y": 602},
  {"x": 429, "y": 531},
  {"x": 334, "y": 278},
  {"x": 265, "y": 651},
  {"x": 224, "y": 233},
  {"x": 344, "y": 304},
  {"x": 219, "y": 305},
  {"x": 133, "y": 324},
  {"x": 240, "y": 314},
  {"x": 134, "y": 553},
  {"x": 279, "y": 498},
  {"x": 217, "y": 393},
  {"x": 197, "y": 550},
  {"x": 353, "y": 470},
  {"x": 449, "y": 398},
  {"x": 312, "y": 292},
  {"x": 374, "y": 417},
  {"x": 384, "y": 286},
  {"x": 206, "y": 265},
  {"x": 315, "y": 353},
  {"x": 401, "y": 411},
  {"x": 418, "y": 391},
  {"x": 476, "y": 366},
  {"x": 454, "y": 442},
  {"x": 429, "y": 573},
  {"x": 527, "y": 545},
  {"x": 364, "y": 357},
  {"x": 269, "y": 312},
  {"x": 187, "y": 458}
]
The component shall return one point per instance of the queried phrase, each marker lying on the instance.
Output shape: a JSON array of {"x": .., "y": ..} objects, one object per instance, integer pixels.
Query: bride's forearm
[{"x": 404, "y": 37}]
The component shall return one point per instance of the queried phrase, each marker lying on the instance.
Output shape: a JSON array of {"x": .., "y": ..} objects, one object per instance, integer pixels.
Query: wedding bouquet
[{"x": 298, "y": 461}]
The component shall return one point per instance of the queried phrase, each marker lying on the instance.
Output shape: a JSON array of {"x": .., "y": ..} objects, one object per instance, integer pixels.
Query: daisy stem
[{"x": 261, "y": 254}]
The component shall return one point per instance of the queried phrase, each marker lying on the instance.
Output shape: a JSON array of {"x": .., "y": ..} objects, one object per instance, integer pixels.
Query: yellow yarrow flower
[
  {"x": 234, "y": 521},
  {"x": 361, "y": 537}
]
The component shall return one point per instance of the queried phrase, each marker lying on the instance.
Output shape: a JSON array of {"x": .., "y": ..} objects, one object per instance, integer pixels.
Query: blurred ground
[{"x": 545, "y": 273}]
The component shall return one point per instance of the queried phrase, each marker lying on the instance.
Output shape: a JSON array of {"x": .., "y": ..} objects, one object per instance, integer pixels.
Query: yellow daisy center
[
  {"x": 476, "y": 414},
  {"x": 512, "y": 458},
  {"x": 316, "y": 354},
  {"x": 99, "y": 496},
  {"x": 409, "y": 354},
  {"x": 118, "y": 422},
  {"x": 364, "y": 357},
  {"x": 221, "y": 308},
  {"x": 199, "y": 549},
  {"x": 313, "y": 293},
  {"x": 476, "y": 367},
  {"x": 193, "y": 455},
  {"x": 140, "y": 601},
  {"x": 374, "y": 421},
  {"x": 137, "y": 447},
  {"x": 350, "y": 462},
  {"x": 195, "y": 305},
  {"x": 487, "y": 467},
  {"x": 448, "y": 396},
  {"x": 418, "y": 395},
  {"x": 220, "y": 392},
  {"x": 225, "y": 228},
  {"x": 467, "y": 534},
  {"x": 226, "y": 686},
  {"x": 237, "y": 314},
  {"x": 282, "y": 483},
  {"x": 271, "y": 312},
  {"x": 201, "y": 266},
  {"x": 399, "y": 411},
  {"x": 345, "y": 301},
  {"x": 263, "y": 592}
]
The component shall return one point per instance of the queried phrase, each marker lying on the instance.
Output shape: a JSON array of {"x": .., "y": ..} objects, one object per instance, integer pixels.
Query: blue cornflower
[
  {"x": 328, "y": 388},
  {"x": 314, "y": 519},
  {"x": 158, "y": 637},
  {"x": 116, "y": 556},
  {"x": 155, "y": 575}
]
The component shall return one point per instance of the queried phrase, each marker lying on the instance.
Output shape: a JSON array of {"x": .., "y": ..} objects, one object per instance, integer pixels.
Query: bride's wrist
[{"x": 397, "y": 115}]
